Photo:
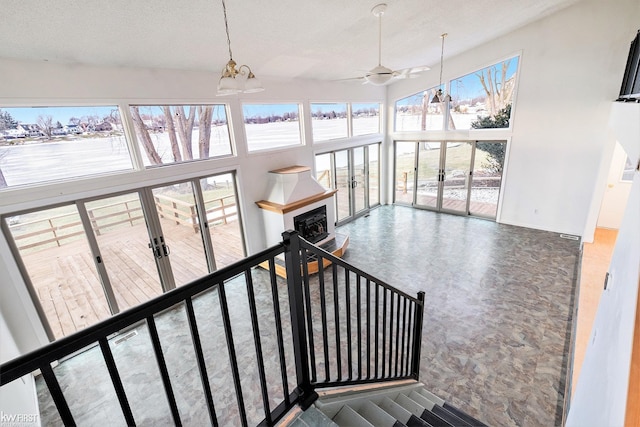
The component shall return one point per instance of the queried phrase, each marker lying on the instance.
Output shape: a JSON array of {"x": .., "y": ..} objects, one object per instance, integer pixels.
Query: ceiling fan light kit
[{"x": 234, "y": 78}]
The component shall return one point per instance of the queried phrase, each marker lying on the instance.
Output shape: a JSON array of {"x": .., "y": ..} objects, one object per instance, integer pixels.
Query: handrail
[{"x": 387, "y": 319}]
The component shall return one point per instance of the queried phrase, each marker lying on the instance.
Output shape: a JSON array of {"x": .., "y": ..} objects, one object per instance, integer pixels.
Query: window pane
[
  {"x": 181, "y": 133},
  {"x": 323, "y": 170},
  {"x": 328, "y": 121},
  {"x": 55, "y": 252},
  {"x": 53, "y": 143},
  {"x": 270, "y": 126},
  {"x": 374, "y": 175},
  {"x": 629, "y": 169},
  {"x": 365, "y": 118},
  {"x": 418, "y": 113},
  {"x": 482, "y": 99}
]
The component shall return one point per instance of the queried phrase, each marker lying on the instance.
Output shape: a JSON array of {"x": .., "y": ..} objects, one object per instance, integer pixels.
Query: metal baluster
[
  {"x": 232, "y": 353},
  {"x": 309, "y": 313},
  {"x": 417, "y": 337},
  {"x": 258, "y": 344},
  {"x": 336, "y": 317},
  {"x": 377, "y": 338},
  {"x": 391, "y": 294},
  {"x": 384, "y": 330},
  {"x": 359, "y": 320},
  {"x": 164, "y": 373},
  {"x": 404, "y": 332},
  {"x": 278, "y": 318},
  {"x": 117, "y": 381},
  {"x": 347, "y": 292},
  {"x": 323, "y": 309},
  {"x": 397, "y": 332},
  {"x": 368, "y": 329},
  {"x": 56, "y": 394},
  {"x": 202, "y": 367}
]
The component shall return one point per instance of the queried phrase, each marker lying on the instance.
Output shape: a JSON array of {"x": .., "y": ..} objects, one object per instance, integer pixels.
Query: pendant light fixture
[
  {"x": 236, "y": 79},
  {"x": 440, "y": 96}
]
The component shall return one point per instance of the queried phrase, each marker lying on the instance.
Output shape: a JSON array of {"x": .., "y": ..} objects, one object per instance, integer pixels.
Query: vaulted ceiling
[{"x": 325, "y": 40}]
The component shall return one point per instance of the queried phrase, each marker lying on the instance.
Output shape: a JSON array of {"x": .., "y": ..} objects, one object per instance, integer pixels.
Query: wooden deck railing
[{"x": 60, "y": 228}]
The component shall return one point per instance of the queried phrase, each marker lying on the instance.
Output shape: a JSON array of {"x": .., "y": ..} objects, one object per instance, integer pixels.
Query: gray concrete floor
[{"x": 498, "y": 316}]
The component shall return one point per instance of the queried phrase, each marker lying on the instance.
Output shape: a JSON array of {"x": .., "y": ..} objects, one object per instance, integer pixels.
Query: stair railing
[{"x": 375, "y": 336}]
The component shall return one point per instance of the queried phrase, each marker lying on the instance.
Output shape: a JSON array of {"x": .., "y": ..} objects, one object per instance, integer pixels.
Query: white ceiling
[{"x": 328, "y": 39}]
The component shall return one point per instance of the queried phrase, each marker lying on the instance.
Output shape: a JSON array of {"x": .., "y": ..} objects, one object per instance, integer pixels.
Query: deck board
[{"x": 70, "y": 291}]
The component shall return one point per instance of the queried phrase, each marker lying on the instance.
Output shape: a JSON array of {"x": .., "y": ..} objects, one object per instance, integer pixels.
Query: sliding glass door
[
  {"x": 93, "y": 258},
  {"x": 462, "y": 177},
  {"x": 355, "y": 173}
]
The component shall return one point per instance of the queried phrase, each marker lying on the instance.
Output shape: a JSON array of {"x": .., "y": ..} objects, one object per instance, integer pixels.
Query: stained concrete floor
[{"x": 498, "y": 317}]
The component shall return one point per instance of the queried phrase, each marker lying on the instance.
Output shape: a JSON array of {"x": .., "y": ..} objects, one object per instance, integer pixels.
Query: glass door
[
  {"x": 355, "y": 173},
  {"x": 456, "y": 177},
  {"x": 486, "y": 180},
  {"x": 405, "y": 167},
  {"x": 179, "y": 239},
  {"x": 462, "y": 177},
  {"x": 120, "y": 231},
  {"x": 59, "y": 267},
  {"x": 428, "y": 180}
]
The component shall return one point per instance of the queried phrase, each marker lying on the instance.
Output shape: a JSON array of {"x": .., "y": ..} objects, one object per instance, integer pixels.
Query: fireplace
[
  {"x": 297, "y": 201},
  {"x": 312, "y": 225}
]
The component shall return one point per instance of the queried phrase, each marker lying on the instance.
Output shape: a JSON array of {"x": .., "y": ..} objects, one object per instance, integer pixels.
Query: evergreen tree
[{"x": 496, "y": 152}]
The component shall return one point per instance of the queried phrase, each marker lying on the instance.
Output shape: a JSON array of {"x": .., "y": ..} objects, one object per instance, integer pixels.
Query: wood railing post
[
  {"x": 291, "y": 241},
  {"x": 417, "y": 337}
]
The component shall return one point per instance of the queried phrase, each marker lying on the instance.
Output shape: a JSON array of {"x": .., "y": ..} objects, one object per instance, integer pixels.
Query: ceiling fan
[{"x": 381, "y": 75}]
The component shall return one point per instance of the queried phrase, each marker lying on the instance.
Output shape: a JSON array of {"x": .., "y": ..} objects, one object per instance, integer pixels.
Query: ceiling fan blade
[{"x": 410, "y": 72}]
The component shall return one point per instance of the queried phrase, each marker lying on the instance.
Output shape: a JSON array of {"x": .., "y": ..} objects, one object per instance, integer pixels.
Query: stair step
[
  {"x": 464, "y": 416},
  {"x": 401, "y": 414},
  {"x": 377, "y": 416},
  {"x": 314, "y": 418},
  {"x": 347, "y": 417},
  {"x": 421, "y": 412}
]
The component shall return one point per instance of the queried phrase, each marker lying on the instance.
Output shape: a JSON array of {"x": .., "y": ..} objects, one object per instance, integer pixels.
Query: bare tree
[
  {"x": 497, "y": 87},
  {"x": 204, "y": 118},
  {"x": 185, "y": 129},
  {"x": 143, "y": 133},
  {"x": 46, "y": 125},
  {"x": 171, "y": 130}
]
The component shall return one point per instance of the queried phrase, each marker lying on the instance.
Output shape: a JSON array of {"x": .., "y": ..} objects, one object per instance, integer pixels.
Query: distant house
[
  {"x": 28, "y": 129},
  {"x": 104, "y": 127},
  {"x": 73, "y": 129}
]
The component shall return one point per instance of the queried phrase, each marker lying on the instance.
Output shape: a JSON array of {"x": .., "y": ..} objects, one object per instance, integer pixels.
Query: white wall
[
  {"x": 571, "y": 69},
  {"x": 18, "y": 397},
  {"x": 616, "y": 193},
  {"x": 601, "y": 393}
]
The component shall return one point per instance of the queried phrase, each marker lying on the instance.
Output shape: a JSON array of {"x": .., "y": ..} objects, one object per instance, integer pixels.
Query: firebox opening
[{"x": 312, "y": 225}]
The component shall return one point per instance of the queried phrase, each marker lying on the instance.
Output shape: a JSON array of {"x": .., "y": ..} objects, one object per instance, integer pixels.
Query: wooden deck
[{"x": 70, "y": 290}]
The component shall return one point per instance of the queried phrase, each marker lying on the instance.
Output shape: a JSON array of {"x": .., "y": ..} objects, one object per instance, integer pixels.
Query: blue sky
[
  {"x": 61, "y": 114},
  {"x": 465, "y": 87},
  {"x": 263, "y": 110}
]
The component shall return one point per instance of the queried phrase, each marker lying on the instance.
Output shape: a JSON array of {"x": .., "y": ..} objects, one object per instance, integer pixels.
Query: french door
[
  {"x": 461, "y": 177},
  {"x": 355, "y": 173},
  {"x": 92, "y": 258}
]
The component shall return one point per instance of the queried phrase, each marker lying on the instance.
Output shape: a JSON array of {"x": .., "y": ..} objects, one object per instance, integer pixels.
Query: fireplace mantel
[{"x": 289, "y": 207}]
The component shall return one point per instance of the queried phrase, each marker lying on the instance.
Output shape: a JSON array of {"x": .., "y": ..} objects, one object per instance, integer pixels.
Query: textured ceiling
[{"x": 326, "y": 40}]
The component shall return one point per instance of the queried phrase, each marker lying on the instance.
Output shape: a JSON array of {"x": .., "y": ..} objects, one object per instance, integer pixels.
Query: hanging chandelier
[
  {"x": 440, "y": 96},
  {"x": 236, "y": 79}
]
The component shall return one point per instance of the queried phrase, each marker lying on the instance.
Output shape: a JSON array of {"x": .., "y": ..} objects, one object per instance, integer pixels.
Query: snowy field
[{"x": 40, "y": 161}]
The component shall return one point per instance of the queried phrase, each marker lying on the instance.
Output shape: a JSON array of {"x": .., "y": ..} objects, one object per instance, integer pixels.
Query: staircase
[{"x": 407, "y": 405}]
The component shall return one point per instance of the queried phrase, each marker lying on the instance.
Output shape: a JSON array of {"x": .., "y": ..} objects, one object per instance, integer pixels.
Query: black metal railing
[{"x": 342, "y": 322}]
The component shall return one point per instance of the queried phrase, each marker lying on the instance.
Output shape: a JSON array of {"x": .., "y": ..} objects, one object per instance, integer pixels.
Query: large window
[
  {"x": 329, "y": 121},
  {"x": 179, "y": 133},
  {"x": 418, "y": 113},
  {"x": 269, "y": 126},
  {"x": 483, "y": 99},
  {"x": 365, "y": 118},
  {"x": 55, "y": 143}
]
